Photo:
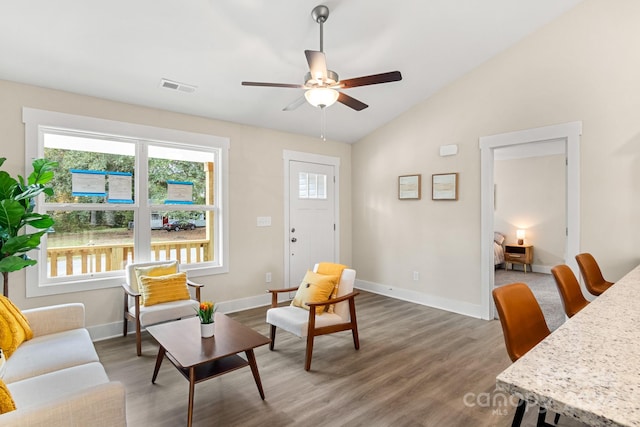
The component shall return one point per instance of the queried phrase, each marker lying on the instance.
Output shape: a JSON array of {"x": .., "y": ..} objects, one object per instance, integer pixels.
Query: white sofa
[{"x": 56, "y": 378}]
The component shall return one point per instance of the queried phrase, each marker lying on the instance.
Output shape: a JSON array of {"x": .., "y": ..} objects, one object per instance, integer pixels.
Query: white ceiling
[{"x": 121, "y": 49}]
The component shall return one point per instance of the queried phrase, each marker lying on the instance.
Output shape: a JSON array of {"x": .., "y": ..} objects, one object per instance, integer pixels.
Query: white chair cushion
[
  {"x": 38, "y": 390},
  {"x": 296, "y": 320},
  {"x": 166, "y": 311},
  {"x": 347, "y": 281},
  {"x": 49, "y": 353}
]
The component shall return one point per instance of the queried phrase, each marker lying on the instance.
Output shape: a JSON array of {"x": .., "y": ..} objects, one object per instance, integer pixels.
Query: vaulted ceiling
[{"x": 122, "y": 49}]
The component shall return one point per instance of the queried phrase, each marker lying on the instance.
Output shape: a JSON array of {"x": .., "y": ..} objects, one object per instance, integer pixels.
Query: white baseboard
[
  {"x": 459, "y": 307},
  {"x": 112, "y": 330}
]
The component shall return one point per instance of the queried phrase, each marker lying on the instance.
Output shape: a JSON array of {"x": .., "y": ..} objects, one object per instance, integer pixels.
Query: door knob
[{"x": 293, "y": 239}]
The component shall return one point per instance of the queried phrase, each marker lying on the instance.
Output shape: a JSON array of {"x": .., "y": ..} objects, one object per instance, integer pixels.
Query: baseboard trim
[
  {"x": 114, "y": 329},
  {"x": 459, "y": 307}
]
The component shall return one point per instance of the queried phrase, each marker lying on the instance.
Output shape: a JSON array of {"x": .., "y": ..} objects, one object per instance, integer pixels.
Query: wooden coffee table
[{"x": 199, "y": 359}]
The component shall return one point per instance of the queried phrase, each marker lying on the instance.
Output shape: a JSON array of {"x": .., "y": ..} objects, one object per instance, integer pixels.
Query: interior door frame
[
  {"x": 299, "y": 156},
  {"x": 569, "y": 132}
]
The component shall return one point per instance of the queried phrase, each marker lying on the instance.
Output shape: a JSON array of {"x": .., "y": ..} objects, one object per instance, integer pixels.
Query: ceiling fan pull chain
[{"x": 323, "y": 123}]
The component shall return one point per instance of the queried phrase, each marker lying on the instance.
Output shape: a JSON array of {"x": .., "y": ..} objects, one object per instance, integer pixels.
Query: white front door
[{"x": 312, "y": 223}]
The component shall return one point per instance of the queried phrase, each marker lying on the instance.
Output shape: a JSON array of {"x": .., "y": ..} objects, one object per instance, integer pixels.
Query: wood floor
[{"x": 416, "y": 366}]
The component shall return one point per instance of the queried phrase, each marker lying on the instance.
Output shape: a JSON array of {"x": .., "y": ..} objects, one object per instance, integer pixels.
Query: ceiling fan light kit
[
  {"x": 322, "y": 86},
  {"x": 321, "y": 96}
]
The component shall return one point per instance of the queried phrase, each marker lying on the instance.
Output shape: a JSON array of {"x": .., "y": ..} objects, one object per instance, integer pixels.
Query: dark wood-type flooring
[{"x": 417, "y": 366}]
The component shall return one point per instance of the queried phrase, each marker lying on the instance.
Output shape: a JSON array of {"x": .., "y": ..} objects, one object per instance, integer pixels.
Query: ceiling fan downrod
[{"x": 320, "y": 14}]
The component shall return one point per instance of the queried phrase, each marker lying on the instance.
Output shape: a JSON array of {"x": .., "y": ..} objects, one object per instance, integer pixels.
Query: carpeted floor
[{"x": 543, "y": 287}]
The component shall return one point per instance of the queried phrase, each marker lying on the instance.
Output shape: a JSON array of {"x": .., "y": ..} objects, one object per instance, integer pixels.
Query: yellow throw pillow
[
  {"x": 153, "y": 271},
  {"x": 314, "y": 288},
  {"x": 14, "y": 327},
  {"x": 156, "y": 290},
  {"x": 332, "y": 269},
  {"x": 6, "y": 401}
]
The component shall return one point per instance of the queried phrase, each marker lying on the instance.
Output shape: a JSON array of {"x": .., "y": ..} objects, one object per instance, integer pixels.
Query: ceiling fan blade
[
  {"x": 351, "y": 102},
  {"x": 317, "y": 64},
  {"x": 374, "y": 79},
  {"x": 261, "y": 84},
  {"x": 295, "y": 104}
]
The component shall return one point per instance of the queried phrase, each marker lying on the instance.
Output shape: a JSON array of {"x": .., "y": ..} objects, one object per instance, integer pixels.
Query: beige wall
[
  {"x": 583, "y": 66},
  {"x": 531, "y": 194},
  {"x": 255, "y": 184}
]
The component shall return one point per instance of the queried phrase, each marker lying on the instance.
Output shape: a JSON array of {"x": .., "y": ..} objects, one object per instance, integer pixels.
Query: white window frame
[{"x": 38, "y": 120}]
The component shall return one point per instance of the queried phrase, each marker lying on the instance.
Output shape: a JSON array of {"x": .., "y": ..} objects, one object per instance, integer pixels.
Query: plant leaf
[
  {"x": 42, "y": 171},
  {"x": 15, "y": 263},
  {"x": 11, "y": 213},
  {"x": 37, "y": 220},
  {"x": 7, "y": 185},
  {"x": 22, "y": 243}
]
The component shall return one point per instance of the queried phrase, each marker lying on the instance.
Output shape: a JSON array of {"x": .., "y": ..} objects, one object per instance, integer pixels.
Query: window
[
  {"x": 125, "y": 192},
  {"x": 312, "y": 186}
]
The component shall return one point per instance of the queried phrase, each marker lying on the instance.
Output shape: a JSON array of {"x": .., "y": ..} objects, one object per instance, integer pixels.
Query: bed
[{"x": 498, "y": 249}]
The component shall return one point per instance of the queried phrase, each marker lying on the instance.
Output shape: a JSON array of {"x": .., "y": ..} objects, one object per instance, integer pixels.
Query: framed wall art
[
  {"x": 409, "y": 187},
  {"x": 444, "y": 186}
]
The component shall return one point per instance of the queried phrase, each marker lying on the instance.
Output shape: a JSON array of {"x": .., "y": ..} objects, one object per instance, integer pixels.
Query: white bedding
[
  {"x": 498, "y": 249},
  {"x": 498, "y": 254}
]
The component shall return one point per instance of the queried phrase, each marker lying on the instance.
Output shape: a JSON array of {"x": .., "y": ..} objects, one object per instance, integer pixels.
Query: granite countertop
[{"x": 589, "y": 368}]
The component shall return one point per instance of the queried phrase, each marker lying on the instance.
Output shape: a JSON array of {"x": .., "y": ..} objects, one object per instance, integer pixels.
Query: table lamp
[{"x": 520, "y": 236}]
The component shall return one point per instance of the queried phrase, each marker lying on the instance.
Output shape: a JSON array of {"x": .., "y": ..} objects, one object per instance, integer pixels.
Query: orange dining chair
[
  {"x": 572, "y": 299},
  {"x": 593, "y": 280},
  {"x": 523, "y": 327}
]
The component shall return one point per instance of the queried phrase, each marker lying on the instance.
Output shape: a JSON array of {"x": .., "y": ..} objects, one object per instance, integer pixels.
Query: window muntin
[{"x": 312, "y": 186}]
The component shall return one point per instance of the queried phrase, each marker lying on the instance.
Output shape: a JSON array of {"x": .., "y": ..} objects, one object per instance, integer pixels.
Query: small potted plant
[{"x": 205, "y": 312}]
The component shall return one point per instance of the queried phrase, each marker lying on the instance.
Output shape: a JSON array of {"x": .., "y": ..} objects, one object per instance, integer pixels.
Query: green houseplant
[{"x": 17, "y": 206}]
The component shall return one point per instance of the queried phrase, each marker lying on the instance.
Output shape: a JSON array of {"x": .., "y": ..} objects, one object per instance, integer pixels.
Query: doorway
[
  {"x": 569, "y": 134},
  {"x": 311, "y": 213}
]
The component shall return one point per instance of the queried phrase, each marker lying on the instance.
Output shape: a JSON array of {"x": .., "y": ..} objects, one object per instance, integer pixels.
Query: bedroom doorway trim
[{"x": 570, "y": 133}]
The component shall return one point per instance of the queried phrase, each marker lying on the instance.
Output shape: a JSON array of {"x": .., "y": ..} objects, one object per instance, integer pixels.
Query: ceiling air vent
[{"x": 182, "y": 87}]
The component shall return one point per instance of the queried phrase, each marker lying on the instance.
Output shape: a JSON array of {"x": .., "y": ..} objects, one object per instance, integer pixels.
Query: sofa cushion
[
  {"x": 47, "y": 387},
  {"x": 48, "y": 353},
  {"x": 14, "y": 327}
]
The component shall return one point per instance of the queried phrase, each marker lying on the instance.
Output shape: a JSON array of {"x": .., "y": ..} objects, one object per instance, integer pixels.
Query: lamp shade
[{"x": 321, "y": 96}]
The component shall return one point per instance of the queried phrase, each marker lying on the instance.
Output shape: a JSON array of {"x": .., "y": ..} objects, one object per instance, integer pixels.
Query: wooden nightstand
[{"x": 518, "y": 254}]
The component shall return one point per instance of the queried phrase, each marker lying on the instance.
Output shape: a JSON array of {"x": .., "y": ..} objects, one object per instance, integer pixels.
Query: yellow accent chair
[
  {"x": 334, "y": 313},
  {"x": 170, "y": 296}
]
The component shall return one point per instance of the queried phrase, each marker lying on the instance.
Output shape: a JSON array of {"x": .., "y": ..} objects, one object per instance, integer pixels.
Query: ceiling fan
[{"x": 322, "y": 86}]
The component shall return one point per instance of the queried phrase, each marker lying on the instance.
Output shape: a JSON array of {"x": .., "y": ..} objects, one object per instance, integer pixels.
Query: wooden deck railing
[{"x": 73, "y": 260}]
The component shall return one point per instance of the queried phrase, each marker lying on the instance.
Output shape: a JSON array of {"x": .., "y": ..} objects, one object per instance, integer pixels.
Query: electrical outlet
[
  {"x": 416, "y": 275},
  {"x": 267, "y": 277}
]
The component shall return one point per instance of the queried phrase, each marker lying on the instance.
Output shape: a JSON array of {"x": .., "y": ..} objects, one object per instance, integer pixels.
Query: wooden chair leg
[
  {"x": 354, "y": 324},
  {"x": 273, "y": 338},
  {"x": 138, "y": 338},
  {"x": 309, "y": 352},
  {"x": 517, "y": 418},
  {"x": 126, "y": 308}
]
